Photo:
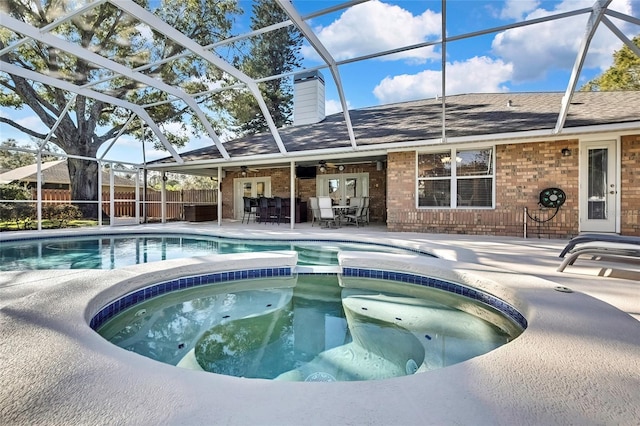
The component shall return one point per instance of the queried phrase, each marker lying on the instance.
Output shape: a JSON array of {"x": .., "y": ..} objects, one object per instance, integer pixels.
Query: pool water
[
  {"x": 112, "y": 252},
  {"x": 307, "y": 327}
]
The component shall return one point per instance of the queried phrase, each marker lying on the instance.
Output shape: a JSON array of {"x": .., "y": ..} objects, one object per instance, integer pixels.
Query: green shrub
[
  {"x": 16, "y": 212},
  {"x": 61, "y": 213}
]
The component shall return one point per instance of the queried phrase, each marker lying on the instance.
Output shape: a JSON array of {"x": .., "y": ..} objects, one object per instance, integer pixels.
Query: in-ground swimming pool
[
  {"x": 116, "y": 251},
  {"x": 307, "y": 327}
]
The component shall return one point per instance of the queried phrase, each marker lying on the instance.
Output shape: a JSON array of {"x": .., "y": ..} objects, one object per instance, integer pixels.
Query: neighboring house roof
[
  {"x": 467, "y": 116},
  {"x": 53, "y": 172}
]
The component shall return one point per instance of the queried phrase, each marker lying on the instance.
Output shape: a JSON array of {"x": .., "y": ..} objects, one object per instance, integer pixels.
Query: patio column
[
  {"x": 219, "y": 200},
  {"x": 292, "y": 194},
  {"x": 163, "y": 198},
  {"x": 112, "y": 201},
  {"x": 100, "y": 165},
  {"x": 39, "y": 183}
]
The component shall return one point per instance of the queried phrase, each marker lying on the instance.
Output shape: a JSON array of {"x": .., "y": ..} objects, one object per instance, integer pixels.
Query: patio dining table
[{"x": 340, "y": 211}]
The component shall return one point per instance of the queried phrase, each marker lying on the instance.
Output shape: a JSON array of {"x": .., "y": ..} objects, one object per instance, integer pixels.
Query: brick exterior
[
  {"x": 630, "y": 186},
  {"x": 522, "y": 171}
]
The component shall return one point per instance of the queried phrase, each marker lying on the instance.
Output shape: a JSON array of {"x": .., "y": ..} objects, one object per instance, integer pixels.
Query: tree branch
[{"x": 24, "y": 129}]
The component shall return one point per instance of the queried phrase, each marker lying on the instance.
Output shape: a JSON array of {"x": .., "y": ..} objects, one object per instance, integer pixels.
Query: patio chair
[
  {"x": 365, "y": 210},
  {"x": 250, "y": 208},
  {"x": 264, "y": 208},
  {"x": 327, "y": 216},
  {"x": 355, "y": 218},
  {"x": 315, "y": 210},
  {"x": 354, "y": 203},
  {"x": 277, "y": 211}
]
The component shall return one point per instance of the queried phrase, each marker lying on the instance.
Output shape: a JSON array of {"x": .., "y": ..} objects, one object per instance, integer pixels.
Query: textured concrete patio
[{"x": 578, "y": 362}]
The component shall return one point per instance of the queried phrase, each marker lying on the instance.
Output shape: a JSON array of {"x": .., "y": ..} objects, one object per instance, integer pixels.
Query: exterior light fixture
[
  {"x": 341, "y": 167},
  {"x": 566, "y": 152},
  {"x": 244, "y": 171},
  {"x": 323, "y": 166}
]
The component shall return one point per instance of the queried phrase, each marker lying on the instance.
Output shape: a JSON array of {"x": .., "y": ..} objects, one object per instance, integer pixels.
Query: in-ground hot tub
[{"x": 361, "y": 324}]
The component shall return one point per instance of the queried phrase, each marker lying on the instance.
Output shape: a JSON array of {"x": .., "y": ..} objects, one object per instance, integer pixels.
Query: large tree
[
  {"x": 624, "y": 74},
  {"x": 269, "y": 54},
  {"x": 112, "y": 33},
  {"x": 12, "y": 158}
]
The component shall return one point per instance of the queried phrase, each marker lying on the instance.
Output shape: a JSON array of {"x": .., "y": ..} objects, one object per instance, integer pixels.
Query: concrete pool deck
[{"x": 578, "y": 362}]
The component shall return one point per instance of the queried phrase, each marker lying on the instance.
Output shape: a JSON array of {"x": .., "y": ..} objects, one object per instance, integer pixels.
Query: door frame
[
  {"x": 238, "y": 192},
  {"x": 322, "y": 188},
  {"x": 611, "y": 225}
]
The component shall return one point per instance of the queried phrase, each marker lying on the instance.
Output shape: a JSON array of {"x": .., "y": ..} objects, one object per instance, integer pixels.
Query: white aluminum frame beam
[
  {"x": 443, "y": 76},
  {"x": 597, "y": 13},
  {"x": 66, "y": 109},
  {"x": 315, "y": 42},
  {"x": 122, "y": 130},
  {"x": 73, "y": 49},
  {"x": 159, "y": 25},
  {"x": 598, "y": 10},
  {"x": 614, "y": 29},
  {"x": 54, "y": 82}
]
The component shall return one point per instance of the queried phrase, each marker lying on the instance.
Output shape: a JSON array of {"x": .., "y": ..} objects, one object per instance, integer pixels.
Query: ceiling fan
[
  {"x": 324, "y": 166},
  {"x": 244, "y": 170}
]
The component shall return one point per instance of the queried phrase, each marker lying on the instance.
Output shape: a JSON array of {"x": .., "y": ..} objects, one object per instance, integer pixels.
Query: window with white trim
[{"x": 455, "y": 178}]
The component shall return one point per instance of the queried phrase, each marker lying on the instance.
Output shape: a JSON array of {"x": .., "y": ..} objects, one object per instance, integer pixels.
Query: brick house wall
[
  {"x": 522, "y": 171},
  {"x": 630, "y": 186}
]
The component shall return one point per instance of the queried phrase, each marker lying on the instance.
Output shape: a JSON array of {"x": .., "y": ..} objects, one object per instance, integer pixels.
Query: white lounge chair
[{"x": 613, "y": 246}]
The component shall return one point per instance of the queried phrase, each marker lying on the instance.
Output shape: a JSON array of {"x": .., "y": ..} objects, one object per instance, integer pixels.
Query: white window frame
[{"x": 453, "y": 178}]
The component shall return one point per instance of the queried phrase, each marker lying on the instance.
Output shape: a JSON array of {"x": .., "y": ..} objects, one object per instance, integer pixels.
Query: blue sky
[{"x": 534, "y": 58}]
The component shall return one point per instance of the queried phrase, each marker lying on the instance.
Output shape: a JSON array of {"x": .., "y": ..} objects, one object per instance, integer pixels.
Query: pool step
[{"x": 317, "y": 269}]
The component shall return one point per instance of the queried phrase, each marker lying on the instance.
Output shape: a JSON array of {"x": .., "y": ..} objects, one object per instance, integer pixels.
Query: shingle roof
[
  {"x": 52, "y": 172},
  {"x": 466, "y": 116}
]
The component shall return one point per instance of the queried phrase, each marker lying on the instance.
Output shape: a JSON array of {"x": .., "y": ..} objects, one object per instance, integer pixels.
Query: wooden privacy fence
[{"x": 124, "y": 205}]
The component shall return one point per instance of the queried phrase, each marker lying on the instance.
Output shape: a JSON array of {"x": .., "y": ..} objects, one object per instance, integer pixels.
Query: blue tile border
[
  {"x": 470, "y": 292},
  {"x": 130, "y": 299},
  {"x": 146, "y": 293}
]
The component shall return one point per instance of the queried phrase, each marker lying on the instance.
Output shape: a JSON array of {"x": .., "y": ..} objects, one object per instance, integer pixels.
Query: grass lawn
[{"x": 46, "y": 224}]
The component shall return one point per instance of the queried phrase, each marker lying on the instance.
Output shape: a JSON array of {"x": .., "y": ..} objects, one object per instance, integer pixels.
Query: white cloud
[
  {"x": 34, "y": 123},
  {"x": 535, "y": 50},
  {"x": 333, "y": 106},
  {"x": 24, "y": 117},
  {"x": 517, "y": 9},
  {"x": 145, "y": 32},
  {"x": 376, "y": 26},
  {"x": 175, "y": 128},
  {"x": 475, "y": 75}
]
